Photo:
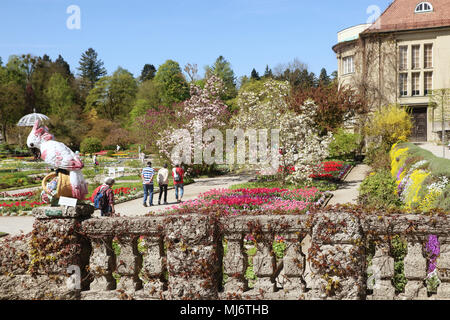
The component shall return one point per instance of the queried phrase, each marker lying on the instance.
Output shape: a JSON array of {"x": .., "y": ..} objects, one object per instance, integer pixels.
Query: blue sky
[{"x": 248, "y": 33}]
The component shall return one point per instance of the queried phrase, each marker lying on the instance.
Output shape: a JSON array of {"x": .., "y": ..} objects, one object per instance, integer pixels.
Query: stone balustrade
[{"x": 324, "y": 255}]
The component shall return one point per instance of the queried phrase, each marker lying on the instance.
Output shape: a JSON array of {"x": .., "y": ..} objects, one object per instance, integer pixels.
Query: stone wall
[{"x": 323, "y": 256}]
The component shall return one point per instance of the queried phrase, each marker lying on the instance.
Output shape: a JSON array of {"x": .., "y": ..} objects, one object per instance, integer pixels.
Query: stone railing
[{"x": 320, "y": 256}]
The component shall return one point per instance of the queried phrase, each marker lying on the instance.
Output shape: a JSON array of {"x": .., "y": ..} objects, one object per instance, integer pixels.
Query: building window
[
  {"x": 403, "y": 84},
  {"x": 428, "y": 83},
  {"x": 415, "y": 84},
  {"x": 415, "y": 62},
  {"x": 403, "y": 63},
  {"x": 428, "y": 56},
  {"x": 424, "y": 7},
  {"x": 349, "y": 65}
]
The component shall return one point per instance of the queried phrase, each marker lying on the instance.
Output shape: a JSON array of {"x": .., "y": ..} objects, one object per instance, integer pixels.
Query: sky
[{"x": 248, "y": 33}]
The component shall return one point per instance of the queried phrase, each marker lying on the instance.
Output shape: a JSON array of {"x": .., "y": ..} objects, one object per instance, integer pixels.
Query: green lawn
[{"x": 2, "y": 234}]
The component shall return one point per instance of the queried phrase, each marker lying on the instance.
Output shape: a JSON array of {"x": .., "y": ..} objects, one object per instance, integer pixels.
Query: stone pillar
[
  {"x": 233, "y": 265},
  {"x": 337, "y": 259},
  {"x": 383, "y": 271},
  {"x": 152, "y": 273},
  {"x": 192, "y": 257},
  {"x": 58, "y": 252},
  {"x": 263, "y": 267},
  {"x": 443, "y": 268},
  {"x": 102, "y": 264},
  {"x": 415, "y": 272},
  {"x": 290, "y": 278},
  {"x": 129, "y": 264}
]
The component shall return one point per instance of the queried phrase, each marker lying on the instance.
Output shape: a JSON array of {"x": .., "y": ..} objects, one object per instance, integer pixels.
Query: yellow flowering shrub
[
  {"x": 398, "y": 158},
  {"x": 417, "y": 177},
  {"x": 428, "y": 201},
  {"x": 390, "y": 124}
]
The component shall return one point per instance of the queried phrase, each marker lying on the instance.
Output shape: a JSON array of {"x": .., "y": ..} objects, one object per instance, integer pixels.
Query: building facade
[{"x": 401, "y": 58}]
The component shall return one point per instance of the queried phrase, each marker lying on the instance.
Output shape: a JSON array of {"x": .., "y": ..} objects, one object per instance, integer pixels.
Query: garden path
[
  {"x": 191, "y": 191},
  {"x": 14, "y": 225},
  {"x": 348, "y": 191},
  {"x": 435, "y": 149}
]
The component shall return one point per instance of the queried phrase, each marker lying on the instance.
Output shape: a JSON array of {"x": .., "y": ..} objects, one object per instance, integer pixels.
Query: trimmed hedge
[{"x": 422, "y": 178}]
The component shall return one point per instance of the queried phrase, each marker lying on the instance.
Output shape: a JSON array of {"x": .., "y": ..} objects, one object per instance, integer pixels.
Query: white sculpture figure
[{"x": 60, "y": 156}]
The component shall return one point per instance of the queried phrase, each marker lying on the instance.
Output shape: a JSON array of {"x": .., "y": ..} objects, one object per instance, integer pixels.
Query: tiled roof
[{"x": 401, "y": 16}]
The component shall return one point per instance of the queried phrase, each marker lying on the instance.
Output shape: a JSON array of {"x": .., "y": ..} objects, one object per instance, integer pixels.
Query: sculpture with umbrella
[{"x": 29, "y": 121}]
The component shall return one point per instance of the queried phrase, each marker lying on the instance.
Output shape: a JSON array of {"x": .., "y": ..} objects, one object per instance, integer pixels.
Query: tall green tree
[
  {"x": 148, "y": 72},
  {"x": 324, "y": 79},
  {"x": 12, "y": 100},
  {"x": 255, "y": 75},
  {"x": 91, "y": 68},
  {"x": 171, "y": 83},
  {"x": 60, "y": 95},
  {"x": 113, "y": 96},
  {"x": 148, "y": 97},
  {"x": 268, "y": 72},
  {"x": 222, "y": 69}
]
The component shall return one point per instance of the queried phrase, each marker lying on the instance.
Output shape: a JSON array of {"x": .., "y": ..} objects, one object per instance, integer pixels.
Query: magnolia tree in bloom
[
  {"x": 262, "y": 109},
  {"x": 204, "y": 111},
  {"x": 302, "y": 146}
]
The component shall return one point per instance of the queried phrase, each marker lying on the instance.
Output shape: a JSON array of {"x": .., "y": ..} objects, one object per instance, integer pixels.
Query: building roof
[{"x": 401, "y": 16}]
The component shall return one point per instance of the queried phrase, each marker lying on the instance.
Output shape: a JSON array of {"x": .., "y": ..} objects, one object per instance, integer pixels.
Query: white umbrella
[{"x": 30, "y": 119}]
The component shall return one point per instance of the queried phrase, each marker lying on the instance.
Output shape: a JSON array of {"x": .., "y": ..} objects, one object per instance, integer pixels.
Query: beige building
[{"x": 400, "y": 58}]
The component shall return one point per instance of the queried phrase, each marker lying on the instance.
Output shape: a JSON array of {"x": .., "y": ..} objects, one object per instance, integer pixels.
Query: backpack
[
  {"x": 176, "y": 176},
  {"x": 100, "y": 200}
]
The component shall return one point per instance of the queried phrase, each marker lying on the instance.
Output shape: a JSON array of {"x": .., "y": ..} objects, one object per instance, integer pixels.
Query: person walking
[
  {"x": 147, "y": 182},
  {"x": 178, "y": 174},
  {"x": 95, "y": 163},
  {"x": 163, "y": 181},
  {"x": 107, "y": 210}
]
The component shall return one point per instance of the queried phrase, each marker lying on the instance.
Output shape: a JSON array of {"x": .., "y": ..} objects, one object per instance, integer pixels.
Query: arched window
[{"x": 424, "y": 7}]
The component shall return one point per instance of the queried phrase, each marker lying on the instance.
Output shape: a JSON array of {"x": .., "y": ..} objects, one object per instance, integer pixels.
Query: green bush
[
  {"x": 379, "y": 190},
  {"x": 91, "y": 145},
  {"x": 344, "y": 145}
]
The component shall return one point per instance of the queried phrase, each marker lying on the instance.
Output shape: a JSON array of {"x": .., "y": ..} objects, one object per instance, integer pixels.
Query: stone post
[
  {"x": 192, "y": 259},
  {"x": 336, "y": 256},
  {"x": 58, "y": 251}
]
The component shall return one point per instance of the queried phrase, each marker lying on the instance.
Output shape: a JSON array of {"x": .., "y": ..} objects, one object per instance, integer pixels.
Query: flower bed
[
  {"x": 422, "y": 178},
  {"x": 333, "y": 170},
  {"x": 19, "y": 208},
  {"x": 254, "y": 201}
]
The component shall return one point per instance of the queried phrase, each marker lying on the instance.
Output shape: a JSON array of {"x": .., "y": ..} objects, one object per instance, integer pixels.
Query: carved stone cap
[{"x": 81, "y": 211}]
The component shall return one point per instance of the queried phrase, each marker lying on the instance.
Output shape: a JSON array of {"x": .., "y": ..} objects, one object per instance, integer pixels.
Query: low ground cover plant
[{"x": 422, "y": 179}]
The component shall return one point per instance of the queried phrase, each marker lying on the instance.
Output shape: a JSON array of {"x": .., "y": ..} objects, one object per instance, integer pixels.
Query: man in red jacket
[{"x": 178, "y": 174}]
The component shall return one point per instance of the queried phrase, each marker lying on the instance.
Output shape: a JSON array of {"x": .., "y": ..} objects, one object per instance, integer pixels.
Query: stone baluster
[
  {"x": 152, "y": 273},
  {"x": 102, "y": 264},
  {"x": 233, "y": 265},
  {"x": 263, "y": 266},
  {"x": 443, "y": 268},
  {"x": 415, "y": 266},
  {"x": 128, "y": 264},
  {"x": 290, "y": 279},
  {"x": 382, "y": 270}
]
